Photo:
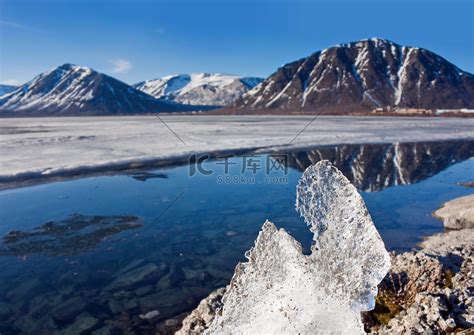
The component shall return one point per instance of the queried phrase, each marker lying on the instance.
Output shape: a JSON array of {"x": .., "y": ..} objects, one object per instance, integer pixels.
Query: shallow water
[{"x": 192, "y": 230}]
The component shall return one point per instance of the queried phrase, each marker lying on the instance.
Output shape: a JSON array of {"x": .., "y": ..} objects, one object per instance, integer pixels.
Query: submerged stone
[
  {"x": 83, "y": 323},
  {"x": 150, "y": 315},
  {"x": 144, "y": 290},
  {"x": 106, "y": 330},
  {"x": 69, "y": 309},
  {"x": 5, "y": 310},
  {"x": 467, "y": 184},
  {"x": 137, "y": 275},
  {"x": 24, "y": 289},
  {"x": 116, "y": 307},
  {"x": 76, "y": 234}
]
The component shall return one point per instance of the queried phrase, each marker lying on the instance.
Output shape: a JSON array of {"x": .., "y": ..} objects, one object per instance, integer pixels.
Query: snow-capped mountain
[
  {"x": 76, "y": 90},
  {"x": 211, "y": 89},
  {"x": 4, "y": 89},
  {"x": 361, "y": 76}
]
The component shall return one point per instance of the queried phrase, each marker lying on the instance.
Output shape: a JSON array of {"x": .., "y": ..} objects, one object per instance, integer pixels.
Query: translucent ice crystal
[
  {"x": 282, "y": 291},
  {"x": 348, "y": 253}
]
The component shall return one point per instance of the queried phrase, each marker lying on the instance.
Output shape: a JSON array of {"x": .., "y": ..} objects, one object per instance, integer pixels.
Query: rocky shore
[
  {"x": 457, "y": 213},
  {"x": 429, "y": 290}
]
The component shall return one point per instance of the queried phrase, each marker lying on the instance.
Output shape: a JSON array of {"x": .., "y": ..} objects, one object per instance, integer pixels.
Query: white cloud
[
  {"x": 120, "y": 65},
  {"x": 13, "y": 82},
  {"x": 14, "y": 25}
]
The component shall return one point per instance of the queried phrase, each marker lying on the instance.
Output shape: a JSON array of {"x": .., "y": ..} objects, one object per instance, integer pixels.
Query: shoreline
[
  {"x": 457, "y": 213},
  {"x": 58, "y": 147},
  {"x": 32, "y": 178}
]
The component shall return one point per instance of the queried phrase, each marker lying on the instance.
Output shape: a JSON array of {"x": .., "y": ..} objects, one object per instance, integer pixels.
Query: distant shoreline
[{"x": 222, "y": 110}]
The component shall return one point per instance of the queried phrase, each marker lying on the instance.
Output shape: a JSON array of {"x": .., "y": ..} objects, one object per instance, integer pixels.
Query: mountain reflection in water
[{"x": 373, "y": 167}]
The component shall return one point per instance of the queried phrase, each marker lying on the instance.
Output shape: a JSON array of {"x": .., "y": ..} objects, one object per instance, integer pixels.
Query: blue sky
[{"x": 138, "y": 40}]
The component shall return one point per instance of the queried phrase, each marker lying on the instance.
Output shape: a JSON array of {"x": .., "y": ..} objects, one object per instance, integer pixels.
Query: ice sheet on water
[{"x": 282, "y": 291}]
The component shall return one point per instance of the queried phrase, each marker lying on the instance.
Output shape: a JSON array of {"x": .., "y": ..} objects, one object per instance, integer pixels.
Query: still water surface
[{"x": 115, "y": 247}]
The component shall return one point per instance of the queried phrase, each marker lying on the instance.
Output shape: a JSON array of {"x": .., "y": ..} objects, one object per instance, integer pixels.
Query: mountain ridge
[
  {"x": 370, "y": 75},
  {"x": 71, "y": 89},
  {"x": 359, "y": 77}
]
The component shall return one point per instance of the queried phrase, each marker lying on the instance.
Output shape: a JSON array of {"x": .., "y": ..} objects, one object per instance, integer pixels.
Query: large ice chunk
[
  {"x": 282, "y": 291},
  {"x": 348, "y": 253}
]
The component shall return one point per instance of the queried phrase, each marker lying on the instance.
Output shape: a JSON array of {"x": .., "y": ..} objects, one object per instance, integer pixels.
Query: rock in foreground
[
  {"x": 428, "y": 291},
  {"x": 200, "y": 318}
]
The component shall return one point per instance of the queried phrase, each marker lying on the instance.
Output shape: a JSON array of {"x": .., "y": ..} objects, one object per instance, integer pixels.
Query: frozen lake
[{"x": 33, "y": 148}]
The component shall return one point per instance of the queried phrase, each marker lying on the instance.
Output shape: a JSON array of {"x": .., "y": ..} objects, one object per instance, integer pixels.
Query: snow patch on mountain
[{"x": 211, "y": 89}]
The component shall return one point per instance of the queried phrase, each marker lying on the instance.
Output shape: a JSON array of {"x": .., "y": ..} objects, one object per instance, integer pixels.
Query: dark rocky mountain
[
  {"x": 372, "y": 167},
  {"x": 75, "y": 90},
  {"x": 362, "y": 76}
]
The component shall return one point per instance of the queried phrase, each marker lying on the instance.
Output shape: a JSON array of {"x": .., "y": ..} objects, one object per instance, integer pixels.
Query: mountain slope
[
  {"x": 361, "y": 76},
  {"x": 4, "y": 89},
  {"x": 75, "y": 90},
  {"x": 211, "y": 89}
]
